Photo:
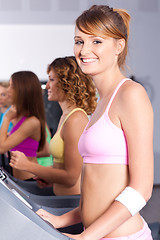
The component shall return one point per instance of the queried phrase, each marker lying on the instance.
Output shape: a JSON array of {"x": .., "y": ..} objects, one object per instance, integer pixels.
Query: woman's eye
[
  {"x": 78, "y": 42},
  {"x": 97, "y": 42}
]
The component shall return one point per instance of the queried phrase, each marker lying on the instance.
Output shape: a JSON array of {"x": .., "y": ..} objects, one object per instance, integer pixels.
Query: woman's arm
[
  {"x": 45, "y": 151},
  {"x": 48, "y": 174},
  {"x": 67, "y": 219},
  {"x": 137, "y": 122},
  {"x": 71, "y": 133},
  {"x": 29, "y": 128},
  {"x": 69, "y": 175}
]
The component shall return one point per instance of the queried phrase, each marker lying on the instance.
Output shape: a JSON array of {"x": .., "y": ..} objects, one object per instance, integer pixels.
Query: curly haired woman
[{"x": 75, "y": 92}]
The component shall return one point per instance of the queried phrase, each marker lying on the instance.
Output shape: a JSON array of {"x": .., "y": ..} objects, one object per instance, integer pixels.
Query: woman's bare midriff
[
  {"x": 61, "y": 189},
  {"x": 23, "y": 175},
  {"x": 101, "y": 184}
]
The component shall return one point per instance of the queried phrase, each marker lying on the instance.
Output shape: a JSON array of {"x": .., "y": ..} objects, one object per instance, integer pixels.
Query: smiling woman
[
  {"x": 114, "y": 150},
  {"x": 98, "y": 47}
]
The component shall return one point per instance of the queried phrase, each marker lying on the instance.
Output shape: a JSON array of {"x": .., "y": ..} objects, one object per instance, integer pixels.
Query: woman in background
[
  {"x": 27, "y": 112},
  {"x": 76, "y": 95},
  {"x": 5, "y": 102}
]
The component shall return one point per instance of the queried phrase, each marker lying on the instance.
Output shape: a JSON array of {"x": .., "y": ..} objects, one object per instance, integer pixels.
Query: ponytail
[{"x": 125, "y": 16}]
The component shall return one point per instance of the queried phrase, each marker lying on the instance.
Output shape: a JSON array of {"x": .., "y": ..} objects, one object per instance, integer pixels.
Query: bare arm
[
  {"x": 64, "y": 220},
  {"x": 45, "y": 151},
  {"x": 29, "y": 128}
]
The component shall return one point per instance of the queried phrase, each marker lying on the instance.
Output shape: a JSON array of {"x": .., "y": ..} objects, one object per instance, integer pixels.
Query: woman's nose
[
  {"x": 47, "y": 85},
  {"x": 86, "y": 49}
]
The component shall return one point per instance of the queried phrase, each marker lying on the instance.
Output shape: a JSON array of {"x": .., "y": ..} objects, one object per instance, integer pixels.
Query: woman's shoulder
[
  {"x": 32, "y": 121},
  {"x": 132, "y": 91},
  {"x": 133, "y": 97},
  {"x": 77, "y": 115},
  {"x": 74, "y": 125},
  {"x": 77, "y": 118}
]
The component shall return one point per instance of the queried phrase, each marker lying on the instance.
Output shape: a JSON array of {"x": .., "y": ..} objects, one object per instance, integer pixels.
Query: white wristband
[{"x": 132, "y": 200}]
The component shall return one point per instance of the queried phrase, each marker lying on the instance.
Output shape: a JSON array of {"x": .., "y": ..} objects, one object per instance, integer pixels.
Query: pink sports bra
[
  {"x": 104, "y": 142},
  {"x": 29, "y": 146}
]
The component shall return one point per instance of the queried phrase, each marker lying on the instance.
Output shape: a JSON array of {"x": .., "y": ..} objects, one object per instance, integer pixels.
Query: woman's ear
[{"x": 120, "y": 45}]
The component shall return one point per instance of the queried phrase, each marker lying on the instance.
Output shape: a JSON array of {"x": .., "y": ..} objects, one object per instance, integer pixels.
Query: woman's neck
[
  {"x": 106, "y": 82},
  {"x": 66, "y": 109}
]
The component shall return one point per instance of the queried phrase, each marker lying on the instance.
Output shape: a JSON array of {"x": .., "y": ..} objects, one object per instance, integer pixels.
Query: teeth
[{"x": 86, "y": 60}]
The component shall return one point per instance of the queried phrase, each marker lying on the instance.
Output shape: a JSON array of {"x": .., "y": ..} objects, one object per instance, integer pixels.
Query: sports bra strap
[
  {"x": 115, "y": 92},
  {"x": 74, "y": 110},
  {"x": 21, "y": 120}
]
